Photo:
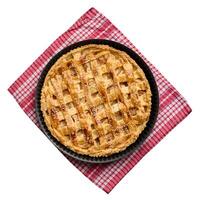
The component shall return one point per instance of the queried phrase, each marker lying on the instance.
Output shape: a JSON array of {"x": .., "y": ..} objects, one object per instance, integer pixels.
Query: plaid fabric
[{"x": 173, "y": 107}]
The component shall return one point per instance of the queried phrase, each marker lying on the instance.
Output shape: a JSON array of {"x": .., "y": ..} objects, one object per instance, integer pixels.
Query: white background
[{"x": 171, "y": 34}]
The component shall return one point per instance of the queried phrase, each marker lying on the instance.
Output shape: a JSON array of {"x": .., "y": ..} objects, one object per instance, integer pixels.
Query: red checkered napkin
[{"x": 173, "y": 107}]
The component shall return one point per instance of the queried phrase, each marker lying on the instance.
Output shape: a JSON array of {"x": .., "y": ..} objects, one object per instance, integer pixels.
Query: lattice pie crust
[{"x": 96, "y": 100}]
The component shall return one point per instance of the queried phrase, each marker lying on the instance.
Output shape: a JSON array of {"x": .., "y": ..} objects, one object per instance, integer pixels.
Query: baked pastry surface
[{"x": 96, "y": 100}]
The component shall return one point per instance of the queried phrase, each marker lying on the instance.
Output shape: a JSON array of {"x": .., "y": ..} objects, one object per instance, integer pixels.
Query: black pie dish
[{"x": 142, "y": 137}]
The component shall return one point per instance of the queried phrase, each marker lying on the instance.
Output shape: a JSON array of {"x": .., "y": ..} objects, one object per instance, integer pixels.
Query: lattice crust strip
[{"x": 96, "y": 100}]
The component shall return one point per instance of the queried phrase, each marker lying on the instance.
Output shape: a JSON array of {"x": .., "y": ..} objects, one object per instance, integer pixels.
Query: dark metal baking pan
[{"x": 145, "y": 133}]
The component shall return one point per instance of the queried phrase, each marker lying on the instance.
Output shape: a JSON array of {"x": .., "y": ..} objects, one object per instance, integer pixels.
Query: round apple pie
[{"x": 96, "y": 100}]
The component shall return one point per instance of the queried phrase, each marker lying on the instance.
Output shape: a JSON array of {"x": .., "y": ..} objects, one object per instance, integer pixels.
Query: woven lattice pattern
[{"x": 96, "y": 100}]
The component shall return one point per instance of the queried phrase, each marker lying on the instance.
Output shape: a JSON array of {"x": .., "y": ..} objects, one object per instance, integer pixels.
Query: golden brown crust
[{"x": 96, "y": 100}]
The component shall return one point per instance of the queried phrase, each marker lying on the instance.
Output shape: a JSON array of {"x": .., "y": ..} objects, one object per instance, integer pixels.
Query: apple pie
[{"x": 96, "y": 100}]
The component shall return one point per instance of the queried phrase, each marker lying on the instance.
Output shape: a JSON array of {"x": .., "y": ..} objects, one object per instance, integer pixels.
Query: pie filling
[{"x": 96, "y": 100}]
